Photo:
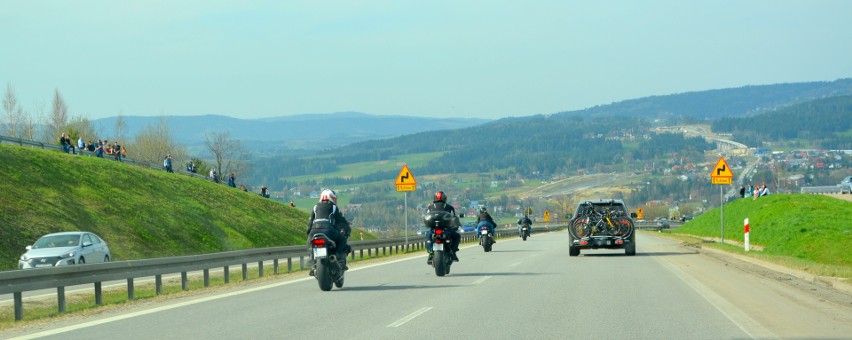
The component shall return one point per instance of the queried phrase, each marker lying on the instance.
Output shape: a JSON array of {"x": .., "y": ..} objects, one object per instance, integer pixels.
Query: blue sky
[{"x": 476, "y": 58}]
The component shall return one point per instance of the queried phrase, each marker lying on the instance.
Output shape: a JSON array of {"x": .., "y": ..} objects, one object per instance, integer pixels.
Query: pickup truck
[{"x": 604, "y": 224}]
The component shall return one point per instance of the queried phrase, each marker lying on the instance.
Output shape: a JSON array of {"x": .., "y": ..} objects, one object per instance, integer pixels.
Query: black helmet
[
  {"x": 440, "y": 197},
  {"x": 483, "y": 209}
]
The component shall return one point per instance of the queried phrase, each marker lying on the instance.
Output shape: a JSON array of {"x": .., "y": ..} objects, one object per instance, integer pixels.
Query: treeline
[
  {"x": 824, "y": 123},
  {"x": 537, "y": 146}
]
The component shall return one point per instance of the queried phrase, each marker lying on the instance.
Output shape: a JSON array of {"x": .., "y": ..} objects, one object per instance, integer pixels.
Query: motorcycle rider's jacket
[
  {"x": 525, "y": 220},
  {"x": 486, "y": 217},
  {"x": 442, "y": 206},
  {"x": 326, "y": 214}
]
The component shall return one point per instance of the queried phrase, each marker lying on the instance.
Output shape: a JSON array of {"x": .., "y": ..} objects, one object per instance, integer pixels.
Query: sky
[{"x": 442, "y": 58}]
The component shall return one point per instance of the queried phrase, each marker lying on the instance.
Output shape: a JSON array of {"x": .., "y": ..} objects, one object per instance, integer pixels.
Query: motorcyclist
[
  {"x": 327, "y": 219},
  {"x": 440, "y": 204},
  {"x": 485, "y": 219},
  {"x": 525, "y": 220}
]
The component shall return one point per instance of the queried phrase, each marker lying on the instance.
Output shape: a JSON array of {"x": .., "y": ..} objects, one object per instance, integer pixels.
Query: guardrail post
[
  {"x": 245, "y": 271},
  {"x": 227, "y": 271},
  {"x": 275, "y": 266},
  {"x": 158, "y": 284},
  {"x": 289, "y": 264},
  {"x": 384, "y": 251},
  {"x": 260, "y": 269},
  {"x": 131, "y": 294},
  {"x": 369, "y": 253},
  {"x": 301, "y": 262},
  {"x": 362, "y": 253},
  {"x": 99, "y": 295},
  {"x": 19, "y": 306},
  {"x": 206, "y": 277},
  {"x": 184, "y": 282},
  {"x": 60, "y": 298}
]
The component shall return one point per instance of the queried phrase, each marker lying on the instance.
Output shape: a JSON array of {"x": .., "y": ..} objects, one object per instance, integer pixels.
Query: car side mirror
[
  {"x": 461, "y": 215},
  {"x": 633, "y": 215},
  {"x": 87, "y": 244},
  {"x": 29, "y": 247}
]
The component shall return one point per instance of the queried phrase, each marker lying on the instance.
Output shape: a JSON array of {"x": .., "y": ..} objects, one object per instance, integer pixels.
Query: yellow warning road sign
[
  {"x": 721, "y": 173},
  {"x": 405, "y": 180}
]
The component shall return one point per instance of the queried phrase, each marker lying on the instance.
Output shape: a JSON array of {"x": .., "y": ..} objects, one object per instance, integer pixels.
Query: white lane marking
[
  {"x": 482, "y": 279},
  {"x": 514, "y": 264},
  {"x": 409, "y": 317},
  {"x": 748, "y": 325},
  {"x": 182, "y": 304}
]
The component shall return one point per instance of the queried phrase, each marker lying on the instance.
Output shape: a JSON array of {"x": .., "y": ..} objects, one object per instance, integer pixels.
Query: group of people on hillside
[
  {"x": 754, "y": 191},
  {"x": 100, "y": 148}
]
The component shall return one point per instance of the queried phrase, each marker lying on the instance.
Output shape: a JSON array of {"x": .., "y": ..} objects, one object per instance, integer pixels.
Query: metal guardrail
[
  {"x": 828, "y": 189},
  {"x": 17, "y": 281}
]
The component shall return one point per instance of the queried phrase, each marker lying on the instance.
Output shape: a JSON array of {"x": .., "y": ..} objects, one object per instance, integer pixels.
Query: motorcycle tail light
[
  {"x": 319, "y": 242},
  {"x": 439, "y": 241},
  {"x": 439, "y": 231}
]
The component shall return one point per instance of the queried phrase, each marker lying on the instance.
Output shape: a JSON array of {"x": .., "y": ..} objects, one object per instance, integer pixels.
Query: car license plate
[
  {"x": 319, "y": 252},
  {"x": 484, "y": 232},
  {"x": 43, "y": 265}
]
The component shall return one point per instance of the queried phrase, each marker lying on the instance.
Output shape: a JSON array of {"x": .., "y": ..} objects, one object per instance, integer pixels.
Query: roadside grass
[
  {"x": 366, "y": 168},
  {"x": 805, "y": 232},
  {"x": 140, "y": 212}
]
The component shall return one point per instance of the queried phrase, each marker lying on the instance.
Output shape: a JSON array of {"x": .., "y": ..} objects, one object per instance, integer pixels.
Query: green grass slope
[
  {"x": 141, "y": 213},
  {"x": 803, "y": 228}
]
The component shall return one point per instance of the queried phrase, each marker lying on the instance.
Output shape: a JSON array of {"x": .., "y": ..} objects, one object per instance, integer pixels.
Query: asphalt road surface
[{"x": 529, "y": 290}]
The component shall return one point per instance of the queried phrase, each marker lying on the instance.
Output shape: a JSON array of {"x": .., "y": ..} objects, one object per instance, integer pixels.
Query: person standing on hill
[
  {"x": 167, "y": 163},
  {"x": 232, "y": 180}
]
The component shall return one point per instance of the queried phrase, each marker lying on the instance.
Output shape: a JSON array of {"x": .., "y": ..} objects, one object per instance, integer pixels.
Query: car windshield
[{"x": 57, "y": 241}]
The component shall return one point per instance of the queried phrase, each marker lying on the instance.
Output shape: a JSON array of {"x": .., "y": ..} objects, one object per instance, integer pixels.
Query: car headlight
[
  {"x": 24, "y": 258},
  {"x": 68, "y": 254}
]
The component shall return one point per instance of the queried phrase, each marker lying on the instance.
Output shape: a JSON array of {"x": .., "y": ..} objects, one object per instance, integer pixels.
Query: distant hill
[
  {"x": 721, "y": 103},
  {"x": 141, "y": 213},
  {"x": 279, "y": 134}
]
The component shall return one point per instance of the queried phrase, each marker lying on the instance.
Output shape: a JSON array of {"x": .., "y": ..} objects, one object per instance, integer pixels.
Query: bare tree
[
  {"x": 229, "y": 155},
  {"x": 154, "y": 142},
  {"x": 13, "y": 111},
  {"x": 120, "y": 126},
  {"x": 59, "y": 118}
]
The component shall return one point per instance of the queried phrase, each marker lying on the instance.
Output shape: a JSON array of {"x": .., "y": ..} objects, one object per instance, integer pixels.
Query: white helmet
[{"x": 328, "y": 195}]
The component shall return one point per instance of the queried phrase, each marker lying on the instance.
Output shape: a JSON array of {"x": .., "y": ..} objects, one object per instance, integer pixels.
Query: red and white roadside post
[{"x": 745, "y": 229}]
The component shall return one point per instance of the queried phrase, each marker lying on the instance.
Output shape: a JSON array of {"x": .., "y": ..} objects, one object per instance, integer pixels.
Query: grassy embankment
[
  {"x": 141, "y": 213},
  {"x": 806, "y": 232}
]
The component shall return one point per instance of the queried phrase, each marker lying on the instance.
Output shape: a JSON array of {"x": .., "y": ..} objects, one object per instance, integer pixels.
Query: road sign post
[
  {"x": 405, "y": 182},
  {"x": 722, "y": 174}
]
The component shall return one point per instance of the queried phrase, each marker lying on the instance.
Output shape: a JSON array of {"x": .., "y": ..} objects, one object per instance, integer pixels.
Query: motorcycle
[
  {"x": 525, "y": 231},
  {"x": 441, "y": 243},
  {"x": 486, "y": 238},
  {"x": 328, "y": 268}
]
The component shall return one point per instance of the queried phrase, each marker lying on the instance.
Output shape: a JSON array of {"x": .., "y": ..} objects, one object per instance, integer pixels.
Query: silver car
[{"x": 63, "y": 249}]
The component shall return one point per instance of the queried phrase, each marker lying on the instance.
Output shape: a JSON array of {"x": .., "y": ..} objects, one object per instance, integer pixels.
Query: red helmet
[{"x": 440, "y": 197}]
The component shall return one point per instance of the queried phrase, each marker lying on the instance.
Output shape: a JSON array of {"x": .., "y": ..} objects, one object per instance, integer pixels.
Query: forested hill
[
  {"x": 721, "y": 103},
  {"x": 827, "y": 123},
  {"x": 606, "y": 138},
  {"x": 540, "y": 144}
]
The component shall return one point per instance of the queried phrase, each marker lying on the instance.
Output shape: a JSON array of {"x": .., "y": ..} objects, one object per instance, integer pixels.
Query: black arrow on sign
[
  {"x": 719, "y": 170},
  {"x": 403, "y": 178}
]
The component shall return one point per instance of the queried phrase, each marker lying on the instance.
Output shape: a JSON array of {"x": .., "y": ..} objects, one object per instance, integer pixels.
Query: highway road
[{"x": 530, "y": 290}]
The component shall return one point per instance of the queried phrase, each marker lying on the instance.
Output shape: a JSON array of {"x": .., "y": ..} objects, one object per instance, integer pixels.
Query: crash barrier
[
  {"x": 828, "y": 189},
  {"x": 16, "y": 282},
  {"x": 131, "y": 161}
]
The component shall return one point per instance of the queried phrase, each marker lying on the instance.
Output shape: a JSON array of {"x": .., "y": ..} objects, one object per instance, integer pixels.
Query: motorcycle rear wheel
[
  {"x": 439, "y": 261},
  {"x": 323, "y": 275}
]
